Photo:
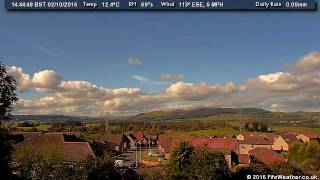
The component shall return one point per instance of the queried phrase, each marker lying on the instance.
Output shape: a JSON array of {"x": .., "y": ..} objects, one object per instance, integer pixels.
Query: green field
[
  {"x": 145, "y": 157},
  {"x": 220, "y": 131},
  {"x": 294, "y": 128},
  {"x": 41, "y": 127}
]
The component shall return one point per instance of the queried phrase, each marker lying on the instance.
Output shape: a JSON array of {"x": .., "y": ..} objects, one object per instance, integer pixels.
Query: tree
[
  {"x": 187, "y": 162},
  {"x": 179, "y": 165},
  {"x": 306, "y": 154},
  {"x": 255, "y": 126},
  {"x": 103, "y": 169},
  {"x": 209, "y": 165},
  {"x": 8, "y": 93},
  {"x": 5, "y": 153},
  {"x": 262, "y": 128},
  {"x": 8, "y": 96}
]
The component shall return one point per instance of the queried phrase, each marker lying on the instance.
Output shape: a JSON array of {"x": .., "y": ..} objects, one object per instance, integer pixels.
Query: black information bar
[{"x": 161, "y": 5}]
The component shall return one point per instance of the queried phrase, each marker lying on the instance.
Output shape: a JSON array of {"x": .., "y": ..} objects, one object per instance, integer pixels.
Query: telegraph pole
[
  {"x": 140, "y": 150},
  {"x": 136, "y": 154},
  {"x": 106, "y": 127}
]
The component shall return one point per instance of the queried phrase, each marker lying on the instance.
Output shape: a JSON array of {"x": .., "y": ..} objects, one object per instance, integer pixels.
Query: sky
[{"x": 97, "y": 63}]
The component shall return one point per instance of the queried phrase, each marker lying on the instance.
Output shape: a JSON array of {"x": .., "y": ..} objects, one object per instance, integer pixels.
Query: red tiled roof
[
  {"x": 151, "y": 136},
  {"x": 168, "y": 142},
  {"x": 243, "y": 158},
  {"x": 218, "y": 144},
  {"x": 48, "y": 141},
  {"x": 139, "y": 136},
  {"x": 113, "y": 138},
  {"x": 224, "y": 143},
  {"x": 289, "y": 138},
  {"x": 44, "y": 139},
  {"x": 310, "y": 135},
  {"x": 27, "y": 135},
  {"x": 256, "y": 140},
  {"x": 199, "y": 141},
  {"x": 266, "y": 156},
  {"x": 76, "y": 151}
]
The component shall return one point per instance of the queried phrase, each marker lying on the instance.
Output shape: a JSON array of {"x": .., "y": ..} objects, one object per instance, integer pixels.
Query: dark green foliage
[
  {"x": 286, "y": 169},
  {"x": 255, "y": 126},
  {"x": 256, "y": 169},
  {"x": 71, "y": 123},
  {"x": 8, "y": 96},
  {"x": 179, "y": 165},
  {"x": 187, "y": 162},
  {"x": 208, "y": 165},
  {"x": 306, "y": 154},
  {"x": 130, "y": 174},
  {"x": 241, "y": 173},
  {"x": 103, "y": 168},
  {"x": 8, "y": 93},
  {"x": 5, "y": 150}
]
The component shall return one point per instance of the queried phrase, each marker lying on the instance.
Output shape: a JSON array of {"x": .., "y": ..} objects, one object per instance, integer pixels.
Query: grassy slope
[{"x": 221, "y": 131}]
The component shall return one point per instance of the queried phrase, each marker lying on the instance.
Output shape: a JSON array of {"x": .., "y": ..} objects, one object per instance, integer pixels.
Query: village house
[
  {"x": 264, "y": 155},
  {"x": 116, "y": 142},
  {"x": 166, "y": 143},
  {"x": 152, "y": 139},
  {"x": 227, "y": 146},
  {"x": 69, "y": 150},
  {"x": 132, "y": 140},
  {"x": 307, "y": 137},
  {"x": 243, "y": 159},
  {"x": 283, "y": 142},
  {"x": 246, "y": 135},
  {"x": 142, "y": 139},
  {"x": 253, "y": 142}
]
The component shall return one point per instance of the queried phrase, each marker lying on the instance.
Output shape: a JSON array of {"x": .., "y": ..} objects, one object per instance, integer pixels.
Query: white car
[
  {"x": 119, "y": 163},
  {"x": 154, "y": 154}
]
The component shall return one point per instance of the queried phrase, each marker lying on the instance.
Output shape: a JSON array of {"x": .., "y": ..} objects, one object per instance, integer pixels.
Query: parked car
[
  {"x": 132, "y": 166},
  {"x": 119, "y": 163},
  {"x": 154, "y": 154},
  {"x": 162, "y": 159}
]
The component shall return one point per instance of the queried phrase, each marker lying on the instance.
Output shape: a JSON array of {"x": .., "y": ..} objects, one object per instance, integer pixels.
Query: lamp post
[
  {"x": 140, "y": 151},
  {"x": 136, "y": 154}
]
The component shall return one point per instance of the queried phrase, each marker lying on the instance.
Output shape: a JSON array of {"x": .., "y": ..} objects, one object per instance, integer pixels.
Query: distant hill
[
  {"x": 65, "y": 118},
  {"x": 46, "y": 118},
  {"x": 179, "y": 114},
  {"x": 198, "y": 113}
]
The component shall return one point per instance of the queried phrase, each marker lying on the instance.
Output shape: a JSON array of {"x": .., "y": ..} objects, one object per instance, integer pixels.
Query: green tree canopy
[
  {"x": 187, "y": 162},
  {"x": 307, "y": 155},
  {"x": 8, "y": 93},
  {"x": 209, "y": 165},
  {"x": 8, "y": 96},
  {"x": 179, "y": 165}
]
